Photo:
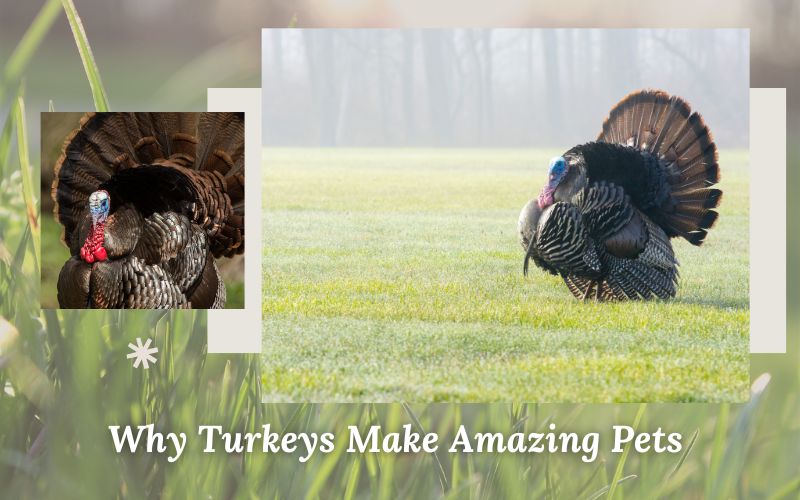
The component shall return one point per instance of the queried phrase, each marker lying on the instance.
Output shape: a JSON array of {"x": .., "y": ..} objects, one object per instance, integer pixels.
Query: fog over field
[{"x": 490, "y": 87}]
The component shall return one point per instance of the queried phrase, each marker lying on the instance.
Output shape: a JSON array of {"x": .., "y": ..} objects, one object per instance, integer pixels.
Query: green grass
[
  {"x": 397, "y": 275},
  {"x": 85, "y": 51},
  {"x": 27, "y": 46}
]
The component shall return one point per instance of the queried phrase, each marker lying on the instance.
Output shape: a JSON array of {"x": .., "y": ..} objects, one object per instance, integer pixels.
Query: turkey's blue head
[
  {"x": 556, "y": 172},
  {"x": 99, "y": 205}
]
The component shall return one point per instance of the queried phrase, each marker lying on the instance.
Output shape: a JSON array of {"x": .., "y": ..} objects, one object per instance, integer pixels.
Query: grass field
[{"x": 397, "y": 275}]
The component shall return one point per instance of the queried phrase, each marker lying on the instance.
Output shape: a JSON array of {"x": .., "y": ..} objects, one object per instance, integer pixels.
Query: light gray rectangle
[
  {"x": 239, "y": 330},
  {"x": 768, "y": 221}
]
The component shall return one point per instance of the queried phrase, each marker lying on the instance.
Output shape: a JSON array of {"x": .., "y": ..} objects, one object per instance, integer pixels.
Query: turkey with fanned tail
[
  {"x": 148, "y": 202},
  {"x": 604, "y": 219}
]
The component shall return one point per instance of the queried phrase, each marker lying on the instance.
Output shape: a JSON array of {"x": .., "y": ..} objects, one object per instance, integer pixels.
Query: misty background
[{"x": 490, "y": 87}]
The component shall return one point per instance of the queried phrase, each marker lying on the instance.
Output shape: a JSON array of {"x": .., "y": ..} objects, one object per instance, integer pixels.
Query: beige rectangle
[
  {"x": 768, "y": 221},
  {"x": 239, "y": 330}
]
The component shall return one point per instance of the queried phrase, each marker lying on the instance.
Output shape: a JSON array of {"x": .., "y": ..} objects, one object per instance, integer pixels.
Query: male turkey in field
[
  {"x": 148, "y": 201},
  {"x": 604, "y": 219}
]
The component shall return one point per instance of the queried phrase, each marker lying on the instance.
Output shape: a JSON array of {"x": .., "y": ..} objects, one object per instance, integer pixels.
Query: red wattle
[
  {"x": 100, "y": 254},
  {"x": 92, "y": 249}
]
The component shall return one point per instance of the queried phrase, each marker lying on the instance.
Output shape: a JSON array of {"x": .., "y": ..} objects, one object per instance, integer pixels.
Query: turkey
[
  {"x": 148, "y": 202},
  {"x": 604, "y": 219}
]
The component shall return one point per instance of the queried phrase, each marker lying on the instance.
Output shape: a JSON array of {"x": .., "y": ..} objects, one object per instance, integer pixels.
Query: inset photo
[
  {"x": 477, "y": 215},
  {"x": 142, "y": 210}
]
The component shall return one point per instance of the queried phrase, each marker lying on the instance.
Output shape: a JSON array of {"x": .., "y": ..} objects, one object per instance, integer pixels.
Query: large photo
[{"x": 506, "y": 215}]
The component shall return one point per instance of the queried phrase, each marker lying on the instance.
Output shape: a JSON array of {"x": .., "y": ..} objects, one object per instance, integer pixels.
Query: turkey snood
[{"x": 92, "y": 249}]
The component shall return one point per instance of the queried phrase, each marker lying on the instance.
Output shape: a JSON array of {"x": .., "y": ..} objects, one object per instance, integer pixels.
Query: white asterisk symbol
[{"x": 142, "y": 353}]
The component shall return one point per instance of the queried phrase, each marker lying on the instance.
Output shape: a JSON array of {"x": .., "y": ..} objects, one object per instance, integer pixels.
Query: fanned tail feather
[
  {"x": 665, "y": 126},
  {"x": 105, "y": 144}
]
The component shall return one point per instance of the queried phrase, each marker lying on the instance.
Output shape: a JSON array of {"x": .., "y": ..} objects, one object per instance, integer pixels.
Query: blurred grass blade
[
  {"x": 5, "y": 142},
  {"x": 24, "y": 374},
  {"x": 29, "y": 43},
  {"x": 718, "y": 446},
  {"x": 685, "y": 453},
  {"x": 326, "y": 468},
  {"x": 740, "y": 436},
  {"x": 439, "y": 467},
  {"x": 589, "y": 480},
  {"x": 621, "y": 464},
  {"x": 352, "y": 481},
  {"x": 788, "y": 490},
  {"x": 386, "y": 463},
  {"x": 606, "y": 488},
  {"x": 85, "y": 50},
  {"x": 455, "y": 469},
  {"x": 19, "y": 255},
  {"x": 295, "y": 417},
  {"x": 25, "y": 169}
]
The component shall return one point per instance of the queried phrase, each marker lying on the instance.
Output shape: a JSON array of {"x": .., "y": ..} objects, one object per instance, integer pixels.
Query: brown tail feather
[
  {"x": 219, "y": 132},
  {"x": 664, "y": 125},
  {"x": 705, "y": 198},
  {"x": 105, "y": 143}
]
